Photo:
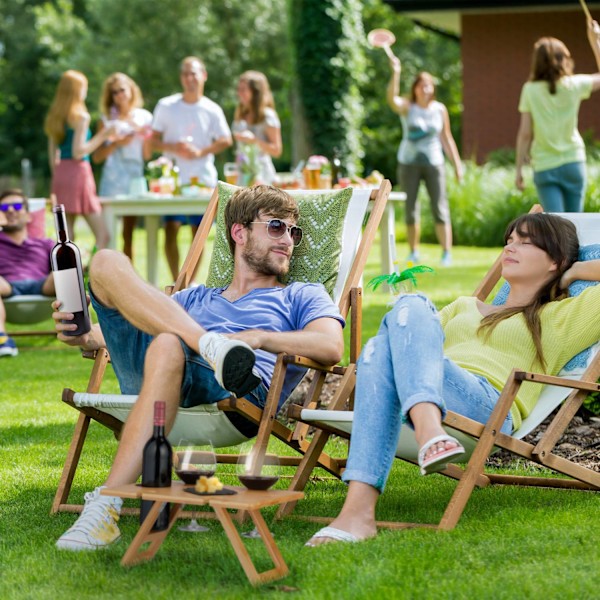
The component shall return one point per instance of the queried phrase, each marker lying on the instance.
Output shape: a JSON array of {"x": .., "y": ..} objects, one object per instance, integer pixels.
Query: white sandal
[
  {"x": 438, "y": 461},
  {"x": 333, "y": 533}
]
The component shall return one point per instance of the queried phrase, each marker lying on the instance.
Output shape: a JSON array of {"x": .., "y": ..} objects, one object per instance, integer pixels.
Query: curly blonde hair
[{"x": 106, "y": 96}]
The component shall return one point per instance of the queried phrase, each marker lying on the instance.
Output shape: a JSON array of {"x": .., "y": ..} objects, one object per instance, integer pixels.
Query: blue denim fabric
[
  {"x": 400, "y": 367},
  {"x": 128, "y": 345},
  {"x": 193, "y": 220},
  {"x": 562, "y": 189},
  {"x": 27, "y": 286}
]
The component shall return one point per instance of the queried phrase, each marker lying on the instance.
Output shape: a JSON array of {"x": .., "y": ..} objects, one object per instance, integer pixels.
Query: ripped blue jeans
[{"x": 400, "y": 367}]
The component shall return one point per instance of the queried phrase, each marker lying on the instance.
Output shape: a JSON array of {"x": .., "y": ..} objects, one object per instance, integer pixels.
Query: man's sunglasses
[
  {"x": 6, "y": 206},
  {"x": 276, "y": 229}
]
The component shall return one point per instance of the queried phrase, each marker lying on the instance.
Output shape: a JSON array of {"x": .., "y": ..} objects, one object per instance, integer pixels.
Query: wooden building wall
[{"x": 496, "y": 54}]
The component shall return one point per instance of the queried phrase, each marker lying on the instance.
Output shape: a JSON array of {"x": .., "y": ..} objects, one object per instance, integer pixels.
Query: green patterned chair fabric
[{"x": 316, "y": 259}]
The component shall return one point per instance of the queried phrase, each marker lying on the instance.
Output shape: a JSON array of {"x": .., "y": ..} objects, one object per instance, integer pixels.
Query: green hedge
[
  {"x": 329, "y": 43},
  {"x": 488, "y": 200}
]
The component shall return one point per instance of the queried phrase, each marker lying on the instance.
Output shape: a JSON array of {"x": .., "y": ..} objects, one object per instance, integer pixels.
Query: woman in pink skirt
[{"x": 69, "y": 145}]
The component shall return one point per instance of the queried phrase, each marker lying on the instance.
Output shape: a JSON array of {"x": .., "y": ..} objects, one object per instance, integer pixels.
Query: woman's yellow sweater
[{"x": 568, "y": 327}]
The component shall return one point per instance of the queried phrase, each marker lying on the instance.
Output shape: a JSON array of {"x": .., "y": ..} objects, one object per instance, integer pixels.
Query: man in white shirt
[{"x": 190, "y": 129}]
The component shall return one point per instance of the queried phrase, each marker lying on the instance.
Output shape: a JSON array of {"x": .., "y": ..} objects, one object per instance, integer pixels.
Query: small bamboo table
[{"x": 244, "y": 500}]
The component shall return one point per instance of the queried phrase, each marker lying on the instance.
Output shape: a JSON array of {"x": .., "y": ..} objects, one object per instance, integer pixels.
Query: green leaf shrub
[
  {"x": 329, "y": 43},
  {"x": 487, "y": 200}
]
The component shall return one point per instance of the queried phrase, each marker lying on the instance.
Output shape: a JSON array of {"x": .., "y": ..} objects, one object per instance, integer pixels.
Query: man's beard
[
  {"x": 262, "y": 264},
  {"x": 13, "y": 228}
]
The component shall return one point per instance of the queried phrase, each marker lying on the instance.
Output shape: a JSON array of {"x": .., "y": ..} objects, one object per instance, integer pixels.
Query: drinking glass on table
[
  {"x": 312, "y": 174},
  {"x": 230, "y": 170},
  {"x": 193, "y": 461}
]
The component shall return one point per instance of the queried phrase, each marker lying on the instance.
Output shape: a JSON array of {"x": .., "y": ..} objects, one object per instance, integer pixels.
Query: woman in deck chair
[{"x": 423, "y": 363}]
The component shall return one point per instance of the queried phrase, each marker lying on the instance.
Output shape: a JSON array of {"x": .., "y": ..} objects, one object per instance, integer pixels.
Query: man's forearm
[
  {"x": 217, "y": 146},
  {"x": 326, "y": 348}
]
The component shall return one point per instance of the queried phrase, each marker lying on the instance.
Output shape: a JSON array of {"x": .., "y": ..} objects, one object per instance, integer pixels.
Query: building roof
[
  {"x": 427, "y": 5},
  {"x": 445, "y": 14}
]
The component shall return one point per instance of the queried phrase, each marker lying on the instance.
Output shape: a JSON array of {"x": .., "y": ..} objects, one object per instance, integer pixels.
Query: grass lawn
[{"x": 510, "y": 543}]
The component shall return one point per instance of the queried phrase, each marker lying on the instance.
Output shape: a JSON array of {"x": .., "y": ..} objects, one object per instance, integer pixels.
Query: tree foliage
[
  {"x": 145, "y": 39},
  {"x": 329, "y": 42},
  {"x": 341, "y": 82},
  {"x": 419, "y": 50}
]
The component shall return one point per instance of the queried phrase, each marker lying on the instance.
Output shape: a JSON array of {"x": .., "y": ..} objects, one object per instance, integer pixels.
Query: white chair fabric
[
  {"x": 588, "y": 231},
  {"x": 206, "y": 423}
]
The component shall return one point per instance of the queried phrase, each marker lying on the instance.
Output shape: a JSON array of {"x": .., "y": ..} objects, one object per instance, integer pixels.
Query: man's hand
[
  {"x": 252, "y": 337},
  {"x": 321, "y": 340},
  {"x": 84, "y": 341},
  {"x": 188, "y": 150}
]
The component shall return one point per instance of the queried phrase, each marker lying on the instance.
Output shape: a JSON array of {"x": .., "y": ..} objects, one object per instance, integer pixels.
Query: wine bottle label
[{"x": 66, "y": 283}]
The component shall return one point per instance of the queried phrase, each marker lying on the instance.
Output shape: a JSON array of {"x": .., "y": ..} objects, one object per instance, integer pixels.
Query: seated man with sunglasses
[
  {"x": 202, "y": 343},
  {"x": 24, "y": 261}
]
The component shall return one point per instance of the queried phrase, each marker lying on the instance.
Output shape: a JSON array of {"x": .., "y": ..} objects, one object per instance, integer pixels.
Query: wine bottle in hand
[
  {"x": 157, "y": 463},
  {"x": 65, "y": 260}
]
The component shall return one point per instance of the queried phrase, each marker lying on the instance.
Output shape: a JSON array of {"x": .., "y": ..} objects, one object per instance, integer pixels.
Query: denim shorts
[
  {"x": 27, "y": 287},
  {"x": 127, "y": 346},
  {"x": 193, "y": 220}
]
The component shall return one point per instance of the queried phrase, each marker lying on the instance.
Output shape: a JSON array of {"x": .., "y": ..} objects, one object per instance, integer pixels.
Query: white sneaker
[
  {"x": 232, "y": 362},
  {"x": 96, "y": 527}
]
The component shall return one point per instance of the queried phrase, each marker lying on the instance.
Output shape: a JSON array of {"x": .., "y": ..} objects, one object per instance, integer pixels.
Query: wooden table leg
[
  {"x": 135, "y": 554},
  {"x": 280, "y": 570}
]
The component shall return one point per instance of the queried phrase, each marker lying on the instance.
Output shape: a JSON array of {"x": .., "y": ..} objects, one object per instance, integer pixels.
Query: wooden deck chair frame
[
  {"x": 29, "y": 309},
  {"x": 480, "y": 440},
  {"x": 349, "y": 302}
]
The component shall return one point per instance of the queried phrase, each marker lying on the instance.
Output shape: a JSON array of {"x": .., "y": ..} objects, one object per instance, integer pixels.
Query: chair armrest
[
  {"x": 93, "y": 354},
  {"x": 558, "y": 381},
  {"x": 302, "y": 361}
]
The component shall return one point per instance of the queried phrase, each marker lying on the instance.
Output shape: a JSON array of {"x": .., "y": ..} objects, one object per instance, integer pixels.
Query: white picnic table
[{"x": 154, "y": 206}]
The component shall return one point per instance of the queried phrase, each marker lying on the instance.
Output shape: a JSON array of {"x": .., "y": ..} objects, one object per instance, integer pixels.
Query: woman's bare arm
[
  {"x": 524, "y": 139},
  {"x": 395, "y": 101},
  {"x": 83, "y": 147},
  {"x": 449, "y": 146}
]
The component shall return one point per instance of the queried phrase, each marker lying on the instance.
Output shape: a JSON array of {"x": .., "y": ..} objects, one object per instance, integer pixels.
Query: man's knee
[
  {"x": 105, "y": 264},
  {"x": 165, "y": 352},
  {"x": 5, "y": 288}
]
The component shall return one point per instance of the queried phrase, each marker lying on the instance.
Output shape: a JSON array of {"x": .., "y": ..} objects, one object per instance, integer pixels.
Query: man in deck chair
[
  {"x": 422, "y": 363},
  {"x": 192, "y": 348},
  {"x": 24, "y": 261}
]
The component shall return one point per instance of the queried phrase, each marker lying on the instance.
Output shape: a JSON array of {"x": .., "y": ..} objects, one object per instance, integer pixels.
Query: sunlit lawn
[{"x": 510, "y": 543}]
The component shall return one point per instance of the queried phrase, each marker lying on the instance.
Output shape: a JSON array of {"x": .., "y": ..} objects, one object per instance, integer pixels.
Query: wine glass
[
  {"x": 256, "y": 472},
  {"x": 239, "y": 126},
  {"x": 193, "y": 461}
]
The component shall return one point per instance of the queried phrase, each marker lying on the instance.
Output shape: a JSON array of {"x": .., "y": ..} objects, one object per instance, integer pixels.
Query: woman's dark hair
[
  {"x": 262, "y": 98},
  {"x": 557, "y": 237},
  {"x": 551, "y": 61},
  {"x": 422, "y": 76}
]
